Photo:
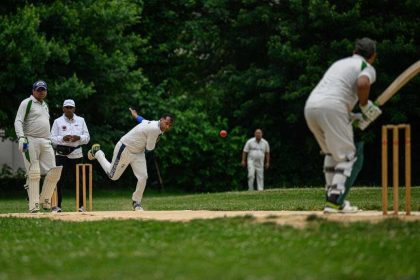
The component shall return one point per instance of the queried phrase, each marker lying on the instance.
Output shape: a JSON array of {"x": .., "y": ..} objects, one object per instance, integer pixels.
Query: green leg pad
[{"x": 357, "y": 166}]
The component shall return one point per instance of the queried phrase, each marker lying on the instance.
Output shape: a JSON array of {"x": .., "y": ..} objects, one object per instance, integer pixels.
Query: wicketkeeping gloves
[{"x": 23, "y": 144}]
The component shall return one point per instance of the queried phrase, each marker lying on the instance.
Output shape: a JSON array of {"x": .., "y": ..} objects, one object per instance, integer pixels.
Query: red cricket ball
[{"x": 223, "y": 133}]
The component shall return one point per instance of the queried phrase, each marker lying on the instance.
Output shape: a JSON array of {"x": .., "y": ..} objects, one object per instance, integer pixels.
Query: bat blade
[{"x": 398, "y": 83}]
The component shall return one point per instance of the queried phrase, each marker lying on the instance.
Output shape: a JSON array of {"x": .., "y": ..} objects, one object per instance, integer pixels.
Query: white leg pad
[
  {"x": 343, "y": 171},
  {"x": 34, "y": 177},
  {"x": 26, "y": 185},
  {"x": 50, "y": 183},
  {"x": 329, "y": 170}
]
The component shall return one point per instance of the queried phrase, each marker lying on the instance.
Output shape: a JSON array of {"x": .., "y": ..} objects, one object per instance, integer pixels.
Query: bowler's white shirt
[
  {"x": 63, "y": 126},
  {"x": 142, "y": 137},
  {"x": 338, "y": 87}
]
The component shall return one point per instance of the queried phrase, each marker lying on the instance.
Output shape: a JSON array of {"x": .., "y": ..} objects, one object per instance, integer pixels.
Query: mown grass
[
  {"x": 367, "y": 198},
  {"x": 207, "y": 249},
  {"x": 234, "y": 248}
]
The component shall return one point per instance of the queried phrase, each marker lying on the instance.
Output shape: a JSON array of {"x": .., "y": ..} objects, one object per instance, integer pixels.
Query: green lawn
[
  {"x": 273, "y": 199},
  {"x": 234, "y": 248}
]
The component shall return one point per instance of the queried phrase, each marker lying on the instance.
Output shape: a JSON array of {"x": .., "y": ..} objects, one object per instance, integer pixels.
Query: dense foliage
[{"x": 216, "y": 64}]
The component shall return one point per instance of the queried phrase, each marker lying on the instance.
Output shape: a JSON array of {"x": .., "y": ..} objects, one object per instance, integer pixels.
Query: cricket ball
[{"x": 223, "y": 133}]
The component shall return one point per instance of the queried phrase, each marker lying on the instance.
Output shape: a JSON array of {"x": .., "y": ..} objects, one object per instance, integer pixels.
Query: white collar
[{"x": 70, "y": 120}]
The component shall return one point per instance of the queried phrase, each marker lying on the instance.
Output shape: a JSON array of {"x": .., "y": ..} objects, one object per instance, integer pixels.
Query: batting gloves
[
  {"x": 23, "y": 144},
  {"x": 370, "y": 113}
]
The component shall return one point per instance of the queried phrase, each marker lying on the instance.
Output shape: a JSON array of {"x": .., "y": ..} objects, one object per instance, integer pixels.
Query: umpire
[{"x": 69, "y": 132}]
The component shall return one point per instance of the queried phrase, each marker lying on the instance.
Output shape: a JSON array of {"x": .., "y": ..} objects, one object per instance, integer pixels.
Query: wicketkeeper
[
  {"x": 32, "y": 126},
  {"x": 328, "y": 113}
]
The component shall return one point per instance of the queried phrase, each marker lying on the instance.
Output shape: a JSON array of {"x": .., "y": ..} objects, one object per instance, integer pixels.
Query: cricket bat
[
  {"x": 391, "y": 90},
  {"x": 399, "y": 82}
]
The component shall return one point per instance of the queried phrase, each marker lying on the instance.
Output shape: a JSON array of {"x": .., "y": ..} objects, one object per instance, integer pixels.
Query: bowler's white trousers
[{"x": 121, "y": 158}]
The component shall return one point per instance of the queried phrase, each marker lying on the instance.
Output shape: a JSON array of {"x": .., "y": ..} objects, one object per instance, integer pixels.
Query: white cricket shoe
[
  {"x": 343, "y": 209},
  {"x": 347, "y": 208},
  {"x": 137, "y": 206},
  {"x": 34, "y": 210},
  {"x": 82, "y": 209},
  {"x": 56, "y": 209}
]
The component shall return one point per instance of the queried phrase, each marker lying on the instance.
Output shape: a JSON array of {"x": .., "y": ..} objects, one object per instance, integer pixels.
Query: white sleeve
[
  {"x": 55, "y": 134},
  {"x": 151, "y": 136},
  {"x": 370, "y": 72},
  {"x": 85, "y": 137},
  {"x": 20, "y": 118},
  {"x": 267, "y": 147},
  {"x": 246, "y": 148}
]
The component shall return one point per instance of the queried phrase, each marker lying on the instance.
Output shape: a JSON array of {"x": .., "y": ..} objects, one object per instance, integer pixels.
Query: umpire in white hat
[{"x": 69, "y": 132}]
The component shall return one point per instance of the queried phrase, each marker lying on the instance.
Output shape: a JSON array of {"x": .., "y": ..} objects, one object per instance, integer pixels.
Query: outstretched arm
[{"x": 136, "y": 116}]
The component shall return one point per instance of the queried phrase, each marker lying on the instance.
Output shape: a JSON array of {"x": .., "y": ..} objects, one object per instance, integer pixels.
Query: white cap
[{"x": 69, "y": 102}]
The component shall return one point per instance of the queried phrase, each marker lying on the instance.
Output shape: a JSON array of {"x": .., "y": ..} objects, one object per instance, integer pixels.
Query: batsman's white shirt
[
  {"x": 338, "y": 87},
  {"x": 327, "y": 110},
  {"x": 37, "y": 121},
  {"x": 33, "y": 122},
  {"x": 142, "y": 137},
  {"x": 63, "y": 126}
]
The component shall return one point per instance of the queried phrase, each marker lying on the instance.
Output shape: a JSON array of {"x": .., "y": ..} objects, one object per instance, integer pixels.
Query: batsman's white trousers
[
  {"x": 333, "y": 131},
  {"x": 255, "y": 169},
  {"x": 39, "y": 159},
  {"x": 121, "y": 158}
]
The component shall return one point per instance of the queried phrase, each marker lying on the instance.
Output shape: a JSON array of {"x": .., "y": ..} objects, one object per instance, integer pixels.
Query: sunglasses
[
  {"x": 68, "y": 107},
  {"x": 41, "y": 89}
]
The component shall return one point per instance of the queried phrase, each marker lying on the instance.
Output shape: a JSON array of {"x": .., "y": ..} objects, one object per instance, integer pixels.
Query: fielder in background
[
  {"x": 256, "y": 156},
  {"x": 328, "y": 113},
  {"x": 32, "y": 126},
  {"x": 69, "y": 132},
  {"x": 130, "y": 150}
]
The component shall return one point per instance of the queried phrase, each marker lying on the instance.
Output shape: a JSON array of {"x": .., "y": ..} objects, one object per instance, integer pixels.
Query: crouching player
[{"x": 130, "y": 150}]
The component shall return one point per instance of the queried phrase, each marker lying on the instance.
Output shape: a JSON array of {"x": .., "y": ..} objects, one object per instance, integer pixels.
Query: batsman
[
  {"x": 328, "y": 113},
  {"x": 32, "y": 127}
]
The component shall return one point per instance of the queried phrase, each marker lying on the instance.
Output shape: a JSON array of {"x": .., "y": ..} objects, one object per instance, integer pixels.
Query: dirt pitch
[{"x": 297, "y": 219}]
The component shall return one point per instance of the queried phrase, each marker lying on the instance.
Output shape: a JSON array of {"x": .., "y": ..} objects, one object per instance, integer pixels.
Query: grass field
[
  {"x": 273, "y": 199},
  {"x": 235, "y": 248}
]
